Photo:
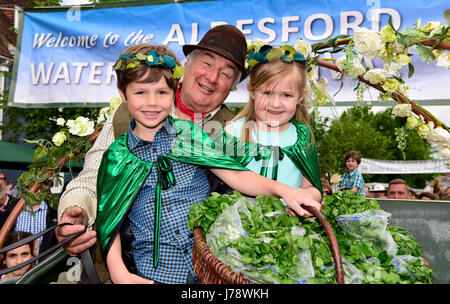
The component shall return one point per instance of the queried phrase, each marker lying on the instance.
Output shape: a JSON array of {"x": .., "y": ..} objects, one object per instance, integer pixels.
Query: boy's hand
[
  {"x": 134, "y": 279},
  {"x": 129, "y": 278}
]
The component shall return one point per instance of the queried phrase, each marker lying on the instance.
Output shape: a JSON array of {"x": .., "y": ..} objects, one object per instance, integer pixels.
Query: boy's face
[
  {"x": 149, "y": 104},
  {"x": 351, "y": 164}
]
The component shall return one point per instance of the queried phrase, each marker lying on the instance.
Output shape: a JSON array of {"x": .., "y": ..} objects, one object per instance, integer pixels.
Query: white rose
[
  {"x": 444, "y": 152},
  {"x": 59, "y": 138},
  {"x": 75, "y": 129},
  {"x": 374, "y": 76},
  {"x": 444, "y": 60},
  {"x": 82, "y": 127},
  {"x": 355, "y": 69},
  {"x": 101, "y": 118},
  {"x": 438, "y": 136},
  {"x": 367, "y": 42},
  {"x": 402, "y": 110},
  {"x": 424, "y": 129},
  {"x": 60, "y": 121},
  {"x": 432, "y": 26},
  {"x": 303, "y": 47}
]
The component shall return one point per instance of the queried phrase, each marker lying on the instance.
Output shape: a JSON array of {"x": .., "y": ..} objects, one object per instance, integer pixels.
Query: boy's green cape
[{"x": 121, "y": 173}]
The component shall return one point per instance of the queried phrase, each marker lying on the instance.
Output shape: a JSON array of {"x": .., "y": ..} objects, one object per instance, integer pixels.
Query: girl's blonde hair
[{"x": 265, "y": 74}]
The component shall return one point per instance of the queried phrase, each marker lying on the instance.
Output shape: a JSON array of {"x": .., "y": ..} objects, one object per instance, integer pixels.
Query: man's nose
[{"x": 213, "y": 75}]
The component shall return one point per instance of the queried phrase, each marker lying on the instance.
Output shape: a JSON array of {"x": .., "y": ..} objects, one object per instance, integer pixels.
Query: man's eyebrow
[{"x": 230, "y": 65}]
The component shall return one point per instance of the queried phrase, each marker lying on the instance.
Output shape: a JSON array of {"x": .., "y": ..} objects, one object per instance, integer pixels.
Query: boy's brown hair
[
  {"x": 141, "y": 74},
  {"x": 354, "y": 155}
]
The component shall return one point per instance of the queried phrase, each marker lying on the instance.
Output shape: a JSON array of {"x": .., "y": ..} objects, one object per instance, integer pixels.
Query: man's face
[
  {"x": 207, "y": 81},
  {"x": 397, "y": 191}
]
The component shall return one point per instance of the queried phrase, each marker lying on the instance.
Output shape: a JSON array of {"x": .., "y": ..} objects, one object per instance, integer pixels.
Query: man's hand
[{"x": 79, "y": 218}]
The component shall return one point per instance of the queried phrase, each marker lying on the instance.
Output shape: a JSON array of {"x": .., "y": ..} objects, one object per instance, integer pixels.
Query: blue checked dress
[{"x": 191, "y": 187}]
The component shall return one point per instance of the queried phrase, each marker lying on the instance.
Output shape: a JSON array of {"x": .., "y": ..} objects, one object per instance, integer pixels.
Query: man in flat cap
[{"x": 213, "y": 67}]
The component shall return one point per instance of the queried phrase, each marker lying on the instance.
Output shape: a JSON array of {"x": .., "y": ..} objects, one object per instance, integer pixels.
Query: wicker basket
[{"x": 210, "y": 270}]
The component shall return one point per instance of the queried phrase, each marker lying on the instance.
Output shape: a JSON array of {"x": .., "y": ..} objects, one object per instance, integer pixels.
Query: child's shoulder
[{"x": 234, "y": 127}]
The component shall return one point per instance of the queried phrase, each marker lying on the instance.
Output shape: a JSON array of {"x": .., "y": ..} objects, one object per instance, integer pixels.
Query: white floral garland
[{"x": 394, "y": 49}]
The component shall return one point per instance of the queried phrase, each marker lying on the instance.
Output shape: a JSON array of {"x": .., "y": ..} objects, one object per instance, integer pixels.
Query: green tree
[{"x": 373, "y": 136}]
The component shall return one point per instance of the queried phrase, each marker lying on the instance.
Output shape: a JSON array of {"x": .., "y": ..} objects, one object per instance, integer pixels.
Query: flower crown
[
  {"x": 270, "y": 53},
  {"x": 152, "y": 59}
]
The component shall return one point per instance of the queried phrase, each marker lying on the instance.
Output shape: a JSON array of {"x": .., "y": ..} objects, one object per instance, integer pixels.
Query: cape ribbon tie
[
  {"x": 264, "y": 153},
  {"x": 166, "y": 179}
]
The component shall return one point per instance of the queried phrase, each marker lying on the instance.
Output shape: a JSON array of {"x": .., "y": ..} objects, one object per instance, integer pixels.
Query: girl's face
[
  {"x": 149, "y": 104},
  {"x": 19, "y": 255},
  {"x": 276, "y": 103}
]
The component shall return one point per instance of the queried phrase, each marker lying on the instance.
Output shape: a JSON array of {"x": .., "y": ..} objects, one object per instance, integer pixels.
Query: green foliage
[
  {"x": 19, "y": 123},
  {"x": 373, "y": 135},
  {"x": 271, "y": 247},
  {"x": 41, "y": 3}
]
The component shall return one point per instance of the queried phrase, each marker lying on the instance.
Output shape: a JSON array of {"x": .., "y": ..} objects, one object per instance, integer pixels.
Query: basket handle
[{"x": 333, "y": 242}]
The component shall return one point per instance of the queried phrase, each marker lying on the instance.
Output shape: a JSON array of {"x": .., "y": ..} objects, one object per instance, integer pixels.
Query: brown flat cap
[{"x": 225, "y": 40}]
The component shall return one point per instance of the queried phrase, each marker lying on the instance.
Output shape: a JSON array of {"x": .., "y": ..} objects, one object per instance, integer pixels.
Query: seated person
[{"x": 17, "y": 255}]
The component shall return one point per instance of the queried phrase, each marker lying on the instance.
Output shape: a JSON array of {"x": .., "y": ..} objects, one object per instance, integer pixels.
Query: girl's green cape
[{"x": 197, "y": 147}]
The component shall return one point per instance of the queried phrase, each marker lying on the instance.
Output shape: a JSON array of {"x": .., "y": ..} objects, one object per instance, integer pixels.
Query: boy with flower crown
[{"x": 141, "y": 181}]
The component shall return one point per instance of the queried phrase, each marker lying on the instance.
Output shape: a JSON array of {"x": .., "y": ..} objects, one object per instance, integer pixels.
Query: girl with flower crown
[
  {"x": 275, "y": 120},
  {"x": 270, "y": 136}
]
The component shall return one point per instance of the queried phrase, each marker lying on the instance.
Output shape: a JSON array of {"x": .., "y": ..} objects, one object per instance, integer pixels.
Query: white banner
[
  {"x": 65, "y": 55},
  {"x": 378, "y": 166}
]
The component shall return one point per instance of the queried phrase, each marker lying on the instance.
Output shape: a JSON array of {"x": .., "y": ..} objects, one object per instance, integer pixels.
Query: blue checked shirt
[
  {"x": 191, "y": 187},
  {"x": 354, "y": 179},
  {"x": 33, "y": 223}
]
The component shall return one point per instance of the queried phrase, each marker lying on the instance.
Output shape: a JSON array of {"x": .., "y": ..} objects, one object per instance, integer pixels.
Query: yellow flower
[
  {"x": 59, "y": 138},
  {"x": 390, "y": 85},
  {"x": 115, "y": 101},
  {"x": 412, "y": 122},
  {"x": 403, "y": 59},
  {"x": 424, "y": 129},
  {"x": 387, "y": 34}
]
